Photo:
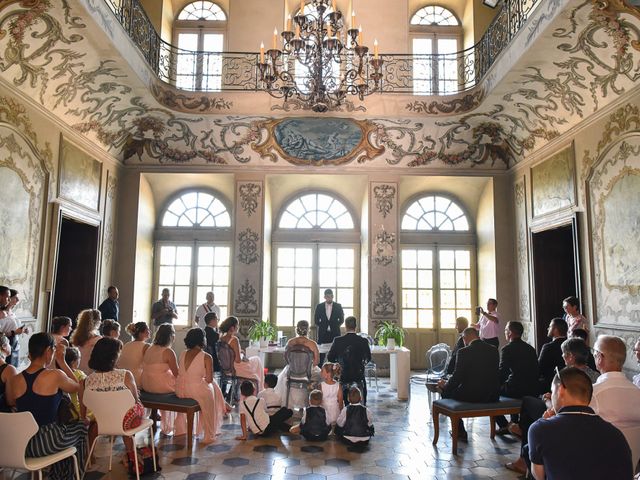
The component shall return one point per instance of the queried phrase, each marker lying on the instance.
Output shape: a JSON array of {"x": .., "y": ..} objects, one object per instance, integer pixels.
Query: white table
[{"x": 398, "y": 363}]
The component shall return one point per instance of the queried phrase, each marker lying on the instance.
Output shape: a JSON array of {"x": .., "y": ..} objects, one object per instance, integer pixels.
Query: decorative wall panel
[
  {"x": 383, "y": 266},
  {"x": 108, "y": 238},
  {"x": 553, "y": 186},
  {"x": 522, "y": 252},
  {"x": 246, "y": 302},
  {"x": 80, "y": 176}
]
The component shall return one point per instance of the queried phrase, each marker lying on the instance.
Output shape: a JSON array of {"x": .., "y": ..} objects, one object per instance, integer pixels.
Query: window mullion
[{"x": 436, "y": 287}]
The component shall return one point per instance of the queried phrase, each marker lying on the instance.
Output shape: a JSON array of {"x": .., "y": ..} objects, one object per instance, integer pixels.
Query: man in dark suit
[
  {"x": 475, "y": 376},
  {"x": 518, "y": 369},
  {"x": 328, "y": 317},
  {"x": 551, "y": 353},
  {"x": 352, "y": 352},
  {"x": 461, "y": 324}
]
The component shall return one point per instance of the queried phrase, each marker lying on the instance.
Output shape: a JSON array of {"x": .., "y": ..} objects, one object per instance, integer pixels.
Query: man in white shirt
[
  {"x": 202, "y": 310},
  {"x": 489, "y": 323},
  {"x": 615, "y": 398}
]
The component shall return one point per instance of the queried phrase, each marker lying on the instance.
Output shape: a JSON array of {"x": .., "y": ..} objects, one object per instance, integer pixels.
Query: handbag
[
  {"x": 66, "y": 410},
  {"x": 133, "y": 417},
  {"x": 145, "y": 461}
]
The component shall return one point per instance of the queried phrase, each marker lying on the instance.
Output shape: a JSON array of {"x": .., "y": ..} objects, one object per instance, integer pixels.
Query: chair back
[
  {"x": 226, "y": 359},
  {"x": 18, "y": 428},
  {"x": 109, "y": 409},
  {"x": 300, "y": 361},
  {"x": 437, "y": 359}
]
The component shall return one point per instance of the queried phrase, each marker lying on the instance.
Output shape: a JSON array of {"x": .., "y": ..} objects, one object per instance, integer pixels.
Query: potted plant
[
  {"x": 390, "y": 334},
  {"x": 262, "y": 331}
]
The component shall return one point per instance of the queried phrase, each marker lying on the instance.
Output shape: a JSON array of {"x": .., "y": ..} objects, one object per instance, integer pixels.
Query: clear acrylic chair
[
  {"x": 438, "y": 358},
  {"x": 300, "y": 362}
]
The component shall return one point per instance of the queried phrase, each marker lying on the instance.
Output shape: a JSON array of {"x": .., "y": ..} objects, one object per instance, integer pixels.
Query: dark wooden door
[
  {"x": 75, "y": 279},
  {"x": 555, "y": 275}
]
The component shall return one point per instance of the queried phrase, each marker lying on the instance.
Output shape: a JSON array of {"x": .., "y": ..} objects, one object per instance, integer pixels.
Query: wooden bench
[
  {"x": 171, "y": 403},
  {"x": 455, "y": 410}
]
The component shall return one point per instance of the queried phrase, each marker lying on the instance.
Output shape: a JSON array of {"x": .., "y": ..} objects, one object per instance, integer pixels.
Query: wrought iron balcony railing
[{"x": 402, "y": 73}]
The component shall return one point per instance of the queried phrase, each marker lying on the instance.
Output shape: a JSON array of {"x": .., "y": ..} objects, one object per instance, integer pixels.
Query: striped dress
[{"x": 51, "y": 436}]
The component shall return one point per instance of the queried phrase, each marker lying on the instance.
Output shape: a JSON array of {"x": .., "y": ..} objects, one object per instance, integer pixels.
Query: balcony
[{"x": 406, "y": 74}]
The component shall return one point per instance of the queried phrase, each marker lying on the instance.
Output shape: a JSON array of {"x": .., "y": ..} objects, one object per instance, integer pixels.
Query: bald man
[{"x": 615, "y": 398}]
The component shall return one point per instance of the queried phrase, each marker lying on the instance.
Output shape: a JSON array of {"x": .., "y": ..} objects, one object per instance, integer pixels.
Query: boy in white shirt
[
  {"x": 355, "y": 422},
  {"x": 254, "y": 416},
  {"x": 273, "y": 403}
]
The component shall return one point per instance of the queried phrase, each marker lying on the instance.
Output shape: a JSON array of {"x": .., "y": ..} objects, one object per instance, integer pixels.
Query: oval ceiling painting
[{"x": 318, "y": 139}]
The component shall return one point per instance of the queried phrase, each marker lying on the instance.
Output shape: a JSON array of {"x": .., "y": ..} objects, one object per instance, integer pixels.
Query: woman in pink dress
[
  {"x": 159, "y": 372},
  {"x": 86, "y": 335},
  {"x": 133, "y": 351},
  {"x": 195, "y": 380},
  {"x": 245, "y": 367}
]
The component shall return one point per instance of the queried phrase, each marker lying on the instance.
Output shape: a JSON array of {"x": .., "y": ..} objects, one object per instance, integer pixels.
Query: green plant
[
  {"x": 387, "y": 330},
  {"x": 262, "y": 329}
]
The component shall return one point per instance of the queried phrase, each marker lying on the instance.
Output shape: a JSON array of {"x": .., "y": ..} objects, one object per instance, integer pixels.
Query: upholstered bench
[
  {"x": 455, "y": 410},
  {"x": 172, "y": 403}
]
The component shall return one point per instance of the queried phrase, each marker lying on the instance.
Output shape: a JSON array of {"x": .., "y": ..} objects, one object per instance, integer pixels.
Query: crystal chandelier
[{"x": 319, "y": 64}]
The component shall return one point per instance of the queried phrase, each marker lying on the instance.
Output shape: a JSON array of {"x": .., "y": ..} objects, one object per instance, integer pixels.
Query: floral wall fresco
[{"x": 63, "y": 55}]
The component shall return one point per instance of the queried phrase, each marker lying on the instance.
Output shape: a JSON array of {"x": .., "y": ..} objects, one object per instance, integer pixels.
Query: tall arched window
[
  {"x": 437, "y": 263},
  {"x": 315, "y": 248},
  {"x": 193, "y": 252},
  {"x": 435, "y": 31},
  {"x": 199, "y": 35}
]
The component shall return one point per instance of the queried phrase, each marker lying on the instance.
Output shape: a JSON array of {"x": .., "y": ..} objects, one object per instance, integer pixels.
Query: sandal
[{"x": 514, "y": 467}]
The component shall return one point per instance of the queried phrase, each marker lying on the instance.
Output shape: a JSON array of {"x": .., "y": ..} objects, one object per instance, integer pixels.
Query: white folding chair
[
  {"x": 20, "y": 427},
  {"x": 109, "y": 409}
]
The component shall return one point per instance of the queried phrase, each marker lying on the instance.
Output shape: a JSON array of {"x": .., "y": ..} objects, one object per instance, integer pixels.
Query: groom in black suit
[{"x": 328, "y": 318}]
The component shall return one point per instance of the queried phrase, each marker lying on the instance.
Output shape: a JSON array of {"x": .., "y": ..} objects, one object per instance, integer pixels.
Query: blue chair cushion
[
  {"x": 169, "y": 398},
  {"x": 459, "y": 406}
]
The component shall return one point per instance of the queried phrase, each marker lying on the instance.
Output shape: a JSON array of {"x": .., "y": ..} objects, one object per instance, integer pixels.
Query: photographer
[
  {"x": 489, "y": 323},
  {"x": 164, "y": 310}
]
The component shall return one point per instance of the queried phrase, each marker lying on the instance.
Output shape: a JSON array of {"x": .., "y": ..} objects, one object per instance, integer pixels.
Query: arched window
[
  {"x": 315, "y": 247},
  {"x": 193, "y": 252},
  {"x": 199, "y": 35},
  {"x": 437, "y": 263},
  {"x": 316, "y": 210},
  {"x": 436, "y": 38}
]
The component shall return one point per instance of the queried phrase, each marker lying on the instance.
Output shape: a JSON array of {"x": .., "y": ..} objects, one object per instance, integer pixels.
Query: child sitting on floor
[
  {"x": 331, "y": 392},
  {"x": 254, "y": 416},
  {"x": 355, "y": 422},
  {"x": 273, "y": 402},
  {"x": 314, "y": 424}
]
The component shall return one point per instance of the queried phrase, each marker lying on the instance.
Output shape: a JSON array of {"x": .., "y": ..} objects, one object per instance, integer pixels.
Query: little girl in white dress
[{"x": 331, "y": 391}]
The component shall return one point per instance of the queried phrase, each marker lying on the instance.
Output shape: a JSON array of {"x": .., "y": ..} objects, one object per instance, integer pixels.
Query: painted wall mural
[
  {"x": 80, "y": 176},
  {"x": 25, "y": 169},
  {"x": 317, "y": 141},
  {"x": 522, "y": 253},
  {"x": 611, "y": 175},
  {"x": 553, "y": 185}
]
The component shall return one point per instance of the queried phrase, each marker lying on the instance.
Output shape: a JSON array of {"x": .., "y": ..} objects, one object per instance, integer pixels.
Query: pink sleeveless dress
[
  {"x": 191, "y": 383},
  {"x": 253, "y": 369},
  {"x": 131, "y": 359},
  {"x": 85, "y": 354},
  {"x": 157, "y": 377}
]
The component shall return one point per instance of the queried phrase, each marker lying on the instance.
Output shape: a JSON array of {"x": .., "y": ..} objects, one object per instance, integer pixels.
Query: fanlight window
[
  {"x": 202, "y": 10},
  {"x": 434, "y": 15},
  {"x": 316, "y": 211},
  {"x": 435, "y": 213},
  {"x": 196, "y": 209}
]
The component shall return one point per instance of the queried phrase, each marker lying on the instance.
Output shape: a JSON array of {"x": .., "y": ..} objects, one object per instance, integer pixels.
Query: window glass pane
[
  {"x": 222, "y": 255},
  {"x": 409, "y": 318},
  {"x": 202, "y": 10},
  {"x": 327, "y": 258},
  {"x": 345, "y": 277},
  {"x": 285, "y": 277},
  {"x": 447, "y": 279},
  {"x": 327, "y": 276},
  {"x": 463, "y": 298},
  {"x": 344, "y": 296},
  {"x": 463, "y": 279},
  {"x": 408, "y": 223},
  {"x": 286, "y": 257},
  {"x": 425, "y": 278},
  {"x": 434, "y": 15},
  {"x": 197, "y": 208},
  {"x": 425, "y": 299},
  {"x": 285, "y": 297},
  {"x": 316, "y": 211},
  {"x": 166, "y": 275},
  {"x": 409, "y": 299},
  {"x": 344, "y": 221},
  {"x": 221, "y": 275},
  {"x": 304, "y": 257},
  {"x": 205, "y": 256},
  {"x": 302, "y": 314},
  {"x": 461, "y": 224},
  {"x": 448, "y": 318},
  {"x": 345, "y": 257},
  {"x": 284, "y": 316},
  {"x": 425, "y": 318},
  {"x": 447, "y": 298},
  {"x": 183, "y": 275},
  {"x": 447, "y": 258},
  {"x": 425, "y": 258},
  {"x": 177, "y": 207},
  {"x": 303, "y": 296},
  {"x": 181, "y": 297},
  {"x": 463, "y": 259},
  {"x": 303, "y": 277},
  {"x": 205, "y": 275},
  {"x": 408, "y": 258},
  {"x": 169, "y": 220},
  {"x": 288, "y": 221},
  {"x": 408, "y": 278},
  {"x": 441, "y": 203},
  {"x": 167, "y": 255}
]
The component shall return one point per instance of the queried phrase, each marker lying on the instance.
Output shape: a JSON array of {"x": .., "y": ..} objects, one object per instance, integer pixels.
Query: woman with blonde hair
[
  {"x": 86, "y": 335},
  {"x": 133, "y": 351}
]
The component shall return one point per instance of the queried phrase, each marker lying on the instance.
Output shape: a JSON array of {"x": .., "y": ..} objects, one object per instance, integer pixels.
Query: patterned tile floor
[{"x": 401, "y": 449}]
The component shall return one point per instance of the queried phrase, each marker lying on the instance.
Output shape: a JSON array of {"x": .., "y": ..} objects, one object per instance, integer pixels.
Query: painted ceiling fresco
[{"x": 570, "y": 60}]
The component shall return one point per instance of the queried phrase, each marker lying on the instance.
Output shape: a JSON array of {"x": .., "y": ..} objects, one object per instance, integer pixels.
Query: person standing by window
[
  {"x": 110, "y": 308},
  {"x": 164, "y": 310},
  {"x": 207, "y": 307},
  {"x": 489, "y": 323}
]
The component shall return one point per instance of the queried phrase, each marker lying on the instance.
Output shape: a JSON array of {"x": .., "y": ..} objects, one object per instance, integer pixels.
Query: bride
[{"x": 295, "y": 397}]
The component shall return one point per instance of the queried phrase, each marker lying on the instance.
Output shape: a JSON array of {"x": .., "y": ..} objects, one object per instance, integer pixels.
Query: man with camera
[
  {"x": 164, "y": 310},
  {"x": 489, "y": 323}
]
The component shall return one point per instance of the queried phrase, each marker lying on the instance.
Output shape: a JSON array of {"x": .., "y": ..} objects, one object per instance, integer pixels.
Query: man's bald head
[
  {"x": 611, "y": 352},
  {"x": 469, "y": 335}
]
